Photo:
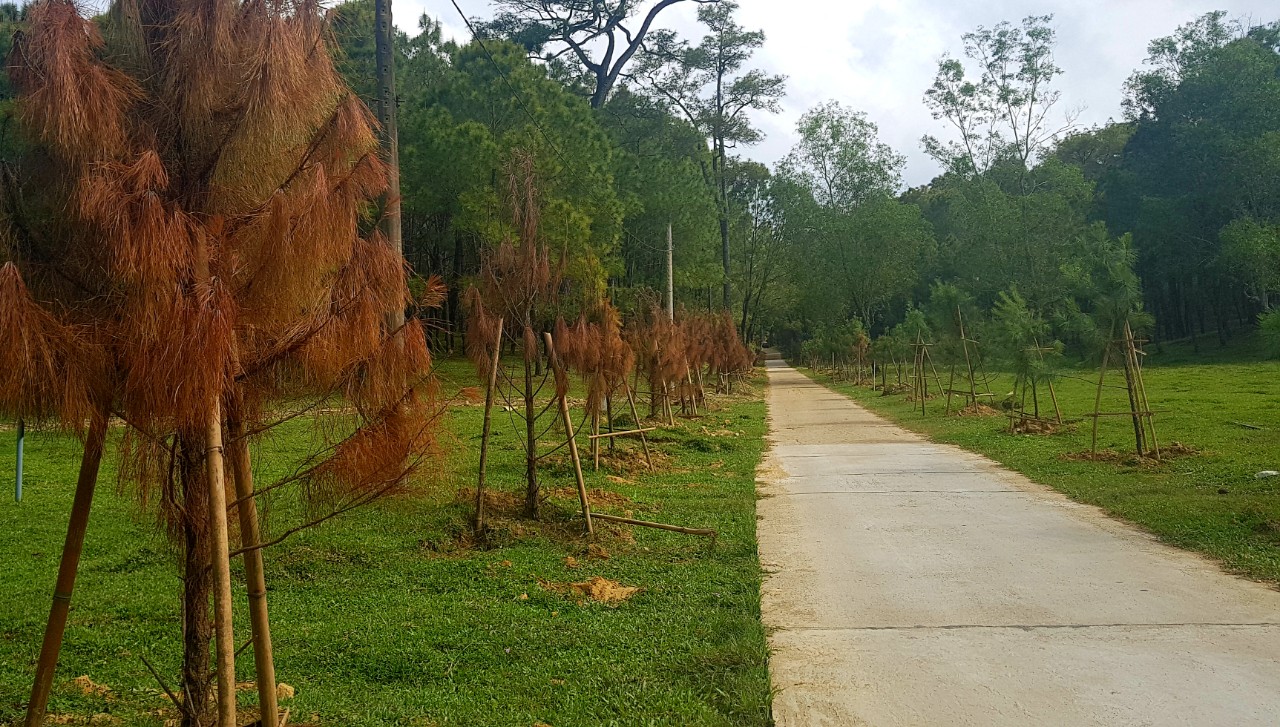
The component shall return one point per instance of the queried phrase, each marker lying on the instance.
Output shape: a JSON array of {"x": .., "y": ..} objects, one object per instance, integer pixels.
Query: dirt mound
[
  {"x": 978, "y": 409},
  {"x": 1036, "y": 426},
  {"x": 1170, "y": 451},
  {"x": 598, "y": 589}
]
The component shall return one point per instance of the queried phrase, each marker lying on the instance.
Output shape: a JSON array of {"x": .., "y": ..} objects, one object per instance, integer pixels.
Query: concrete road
[{"x": 913, "y": 583}]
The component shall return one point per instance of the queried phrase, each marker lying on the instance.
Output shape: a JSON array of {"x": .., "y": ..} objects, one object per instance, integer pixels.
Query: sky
[{"x": 879, "y": 56}]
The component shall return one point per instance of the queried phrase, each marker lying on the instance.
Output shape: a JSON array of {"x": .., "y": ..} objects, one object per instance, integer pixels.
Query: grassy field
[
  {"x": 1209, "y": 502},
  {"x": 388, "y": 616}
]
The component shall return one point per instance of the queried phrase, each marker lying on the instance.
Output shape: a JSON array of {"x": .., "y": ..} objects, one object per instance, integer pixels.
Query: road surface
[{"x": 912, "y": 583}]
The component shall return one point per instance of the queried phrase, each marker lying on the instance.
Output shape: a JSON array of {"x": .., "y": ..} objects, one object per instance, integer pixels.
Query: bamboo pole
[
  {"x": 608, "y": 416},
  {"x": 488, "y": 427},
  {"x": 629, "y": 432},
  {"x": 595, "y": 444},
  {"x": 220, "y": 551},
  {"x": 1057, "y": 410},
  {"x": 531, "y": 438},
  {"x": 951, "y": 382},
  {"x": 17, "y": 469},
  {"x": 1141, "y": 388},
  {"x": 47, "y": 664},
  {"x": 573, "y": 442},
  {"x": 660, "y": 526},
  {"x": 644, "y": 441},
  {"x": 1097, "y": 400},
  {"x": 250, "y": 537},
  {"x": 1139, "y": 428}
]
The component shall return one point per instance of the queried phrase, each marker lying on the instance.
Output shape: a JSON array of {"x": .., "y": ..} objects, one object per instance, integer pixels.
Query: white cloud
[{"x": 880, "y": 55}]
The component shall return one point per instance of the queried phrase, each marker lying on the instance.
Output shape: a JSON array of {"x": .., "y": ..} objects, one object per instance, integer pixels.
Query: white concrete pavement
[{"x": 913, "y": 583}]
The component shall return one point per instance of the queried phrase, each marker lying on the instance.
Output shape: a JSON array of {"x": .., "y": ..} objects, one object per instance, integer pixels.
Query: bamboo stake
[
  {"x": 629, "y": 432},
  {"x": 594, "y": 440},
  {"x": 488, "y": 427},
  {"x": 951, "y": 382},
  {"x": 1142, "y": 388},
  {"x": 608, "y": 415},
  {"x": 1057, "y": 410},
  {"x": 263, "y": 658},
  {"x": 693, "y": 394},
  {"x": 936, "y": 378},
  {"x": 644, "y": 441},
  {"x": 671, "y": 416},
  {"x": 1097, "y": 401},
  {"x": 220, "y": 550},
  {"x": 1139, "y": 428},
  {"x": 67, "y": 567},
  {"x": 660, "y": 526},
  {"x": 573, "y": 442}
]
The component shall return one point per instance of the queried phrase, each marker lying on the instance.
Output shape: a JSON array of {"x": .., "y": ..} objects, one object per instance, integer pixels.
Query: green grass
[
  {"x": 1210, "y": 502},
  {"x": 384, "y": 617}
]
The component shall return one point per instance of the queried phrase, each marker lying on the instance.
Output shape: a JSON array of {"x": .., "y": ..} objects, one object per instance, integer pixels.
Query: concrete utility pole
[
  {"x": 671, "y": 276},
  {"x": 384, "y": 55}
]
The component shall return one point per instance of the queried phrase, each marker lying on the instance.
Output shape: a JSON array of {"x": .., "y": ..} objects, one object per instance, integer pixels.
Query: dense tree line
[
  {"x": 635, "y": 128},
  {"x": 1171, "y": 210}
]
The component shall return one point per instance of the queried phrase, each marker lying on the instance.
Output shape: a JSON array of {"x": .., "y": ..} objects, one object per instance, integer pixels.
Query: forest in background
[{"x": 1172, "y": 213}]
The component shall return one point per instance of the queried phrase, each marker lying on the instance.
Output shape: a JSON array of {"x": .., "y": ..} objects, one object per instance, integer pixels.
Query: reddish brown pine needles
[
  {"x": 519, "y": 285},
  {"x": 192, "y": 229}
]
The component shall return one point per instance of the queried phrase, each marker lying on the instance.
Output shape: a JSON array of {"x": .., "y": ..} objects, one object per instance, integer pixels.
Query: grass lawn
[
  {"x": 1209, "y": 502},
  {"x": 387, "y": 616}
]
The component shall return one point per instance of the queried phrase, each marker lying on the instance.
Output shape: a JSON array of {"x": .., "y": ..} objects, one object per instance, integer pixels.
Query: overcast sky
[{"x": 879, "y": 56}]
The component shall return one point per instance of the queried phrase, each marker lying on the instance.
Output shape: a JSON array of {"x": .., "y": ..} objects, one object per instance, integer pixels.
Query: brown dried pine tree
[{"x": 187, "y": 247}]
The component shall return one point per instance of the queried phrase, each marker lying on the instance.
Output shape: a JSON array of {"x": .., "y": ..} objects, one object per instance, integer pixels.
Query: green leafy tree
[
  {"x": 841, "y": 158},
  {"x": 707, "y": 85},
  {"x": 658, "y": 163},
  {"x": 1205, "y": 152},
  {"x": 1006, "y": 110},
  {"x": 1251, "y": 253},
  {"x": 599, "y": 38}
]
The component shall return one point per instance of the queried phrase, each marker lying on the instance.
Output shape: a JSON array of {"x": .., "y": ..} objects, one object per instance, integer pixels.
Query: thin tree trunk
[
  {"x": 488, "y": 426},
  {"x": 220, "y": 558},
  {"x": 608, "y": 415},
  {"x": 250, "y": 537},
  {"x": 72, "y": 546},
  {"x": 531, "y": 442},
  {"x": 572, "y": 440},
  {"x": 644, "y": 441},
  {"x": 197, "y": 586},
  {"x": 384, "y": 53},
  {"x": 1097, "y": 400}
]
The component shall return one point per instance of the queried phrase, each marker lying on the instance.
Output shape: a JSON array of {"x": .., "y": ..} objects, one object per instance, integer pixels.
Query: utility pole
[
  {"x": 671, "y": 281},
  {"x": 384, "y": 55}
]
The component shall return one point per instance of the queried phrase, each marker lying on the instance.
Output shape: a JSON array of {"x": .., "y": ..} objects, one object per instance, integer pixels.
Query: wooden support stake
[
  {"x": 608, "y": 415},
  {"x": 627, "y": 433},
  {"x": 595, "y": 445},
  {"x": 573, "y": 442},
  {"x": 644, "y": 441},
  {"x": 950, "y": 383},
  {"x": 488, "y": 426},
  {"x": 67, "y": 567},
  {"x": 220, "y": 555},
  {"x": 1097, "y": 400},
  {"x": 1142, "y": 396},
  {"x": 250, "y": 537},
  {"x": 707, "y": 532}
]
